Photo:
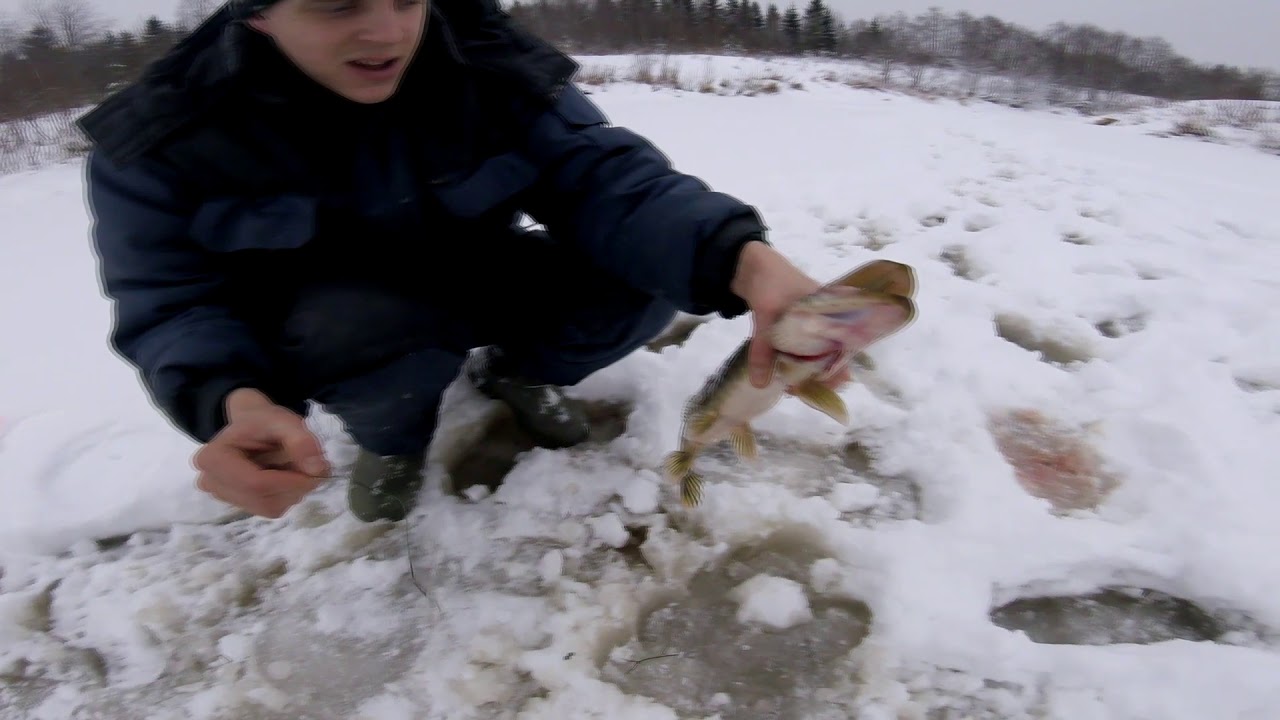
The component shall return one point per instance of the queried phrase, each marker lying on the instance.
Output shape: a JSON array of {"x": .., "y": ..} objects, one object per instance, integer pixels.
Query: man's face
[{"x": 359, "y": 49}]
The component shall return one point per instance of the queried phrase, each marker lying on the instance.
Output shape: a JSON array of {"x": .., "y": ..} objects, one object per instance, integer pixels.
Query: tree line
[
  {"x": 1079, "y": 55},
  {"x": 64, "y": 55}
]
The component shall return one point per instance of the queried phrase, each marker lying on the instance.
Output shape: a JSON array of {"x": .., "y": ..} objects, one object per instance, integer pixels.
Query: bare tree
[
  {"x": 74, "y": 22},
  {"x": 10, "y": 36},
  {"x": 193, "y": 12},
  {"x": 1273, "y": 89}
]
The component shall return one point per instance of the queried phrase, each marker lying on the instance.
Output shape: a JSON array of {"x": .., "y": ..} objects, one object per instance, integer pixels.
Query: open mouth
[
  {"x": 374, "y": 64},
  {"x": 828, "y": 355}
]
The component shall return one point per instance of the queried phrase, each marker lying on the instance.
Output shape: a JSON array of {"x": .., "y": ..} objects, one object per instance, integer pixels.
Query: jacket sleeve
[
  {"x": 189, "y": 351},
  {"x": 612, "y": 194}
]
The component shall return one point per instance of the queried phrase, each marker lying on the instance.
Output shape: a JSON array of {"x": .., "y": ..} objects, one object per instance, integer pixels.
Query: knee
[
  {"x": 655, "y": 318},
  {"x": 597, "y": 346},
  {"x": 392, "y": 410}
]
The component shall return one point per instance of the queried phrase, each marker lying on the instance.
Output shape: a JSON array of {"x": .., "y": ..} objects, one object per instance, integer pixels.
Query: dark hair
[{"x": 245, "y": 8}]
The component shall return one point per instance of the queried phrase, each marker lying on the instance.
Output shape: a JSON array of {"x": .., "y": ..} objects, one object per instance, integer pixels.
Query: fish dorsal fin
[{"x": 886, "y": 276}]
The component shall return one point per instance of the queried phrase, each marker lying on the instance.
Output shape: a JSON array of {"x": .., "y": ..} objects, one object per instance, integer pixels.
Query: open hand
[
  {"x": 264, "y": 461},
  {"x": 769, "y": 284}
]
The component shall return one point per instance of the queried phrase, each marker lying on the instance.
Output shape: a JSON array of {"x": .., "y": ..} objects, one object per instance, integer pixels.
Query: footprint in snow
[
  {"x": 1109, "y": 215},
  {"x": 1254, "y": 386},
  {"x": 1053, "y": 346},
  {"x": 1235, "y": 229},
  {"x": 933, "y": 219},
  {"x": 1008, "y": 173},
  {"x": 1123, "y": 615},
  {"x": 876, "y": 235},
  {"x": 957, "y": 258},
  {"x": 978, "y": 222},
  {"x": 1118, "y": 327}
]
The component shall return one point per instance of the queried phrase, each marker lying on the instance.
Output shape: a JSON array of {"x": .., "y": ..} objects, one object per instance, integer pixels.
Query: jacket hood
[{"x": 209, "y": 66}]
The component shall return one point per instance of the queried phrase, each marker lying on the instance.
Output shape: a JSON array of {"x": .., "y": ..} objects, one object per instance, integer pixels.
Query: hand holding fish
[
  {"x": 769, "y": 283},
  {"x": 804, "y": 337}
]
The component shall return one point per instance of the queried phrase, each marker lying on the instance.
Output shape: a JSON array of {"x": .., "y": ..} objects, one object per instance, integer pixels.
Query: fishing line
[
  {"x": 408, "y": 542},
  {"x": 636, "y": 663}
]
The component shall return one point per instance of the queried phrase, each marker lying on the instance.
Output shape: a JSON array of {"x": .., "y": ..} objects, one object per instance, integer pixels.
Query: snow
[
  {"x": 774, "y": 601},
  {"x": 1114, "y": 281},
  {"x": 850, "y": 497}
]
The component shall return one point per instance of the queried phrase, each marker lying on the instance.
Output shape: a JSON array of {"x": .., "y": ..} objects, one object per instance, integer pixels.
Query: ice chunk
[{"x": 773, "y": 601}]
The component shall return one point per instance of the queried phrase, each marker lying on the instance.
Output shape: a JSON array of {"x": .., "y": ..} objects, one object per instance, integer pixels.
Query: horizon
[{"x": 1251, "y": 47}]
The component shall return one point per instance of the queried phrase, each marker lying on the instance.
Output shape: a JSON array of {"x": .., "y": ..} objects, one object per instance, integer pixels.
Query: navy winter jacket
[{"x": 223, "y": 172}]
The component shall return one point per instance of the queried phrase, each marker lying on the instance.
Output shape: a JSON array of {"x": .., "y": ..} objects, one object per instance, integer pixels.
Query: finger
[
  {"x": 232, "y": 470},
  {"x": 760, "y": 360},
  {"x": 272, "y": 507},
  {"x": 271, "y": 504},
  {"x": 282, "y": 438},
  {"x": 302, "y": 448},
  {"x": 222, "y": 492},
  {"x": 274, "y": 458}
]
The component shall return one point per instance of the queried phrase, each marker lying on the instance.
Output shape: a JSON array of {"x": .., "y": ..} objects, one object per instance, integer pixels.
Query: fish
[{"x": 815, "y": 338}]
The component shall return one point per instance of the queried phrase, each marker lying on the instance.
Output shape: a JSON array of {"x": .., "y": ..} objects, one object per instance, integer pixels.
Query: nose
[{"x": 382, "y": 23}]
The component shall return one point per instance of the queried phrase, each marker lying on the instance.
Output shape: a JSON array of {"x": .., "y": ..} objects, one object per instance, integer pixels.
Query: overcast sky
[{"x": 1235, "y": 32}]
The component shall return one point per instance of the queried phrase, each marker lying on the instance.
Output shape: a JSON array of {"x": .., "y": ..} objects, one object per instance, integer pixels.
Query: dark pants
[{"x": 378, "y": 349}]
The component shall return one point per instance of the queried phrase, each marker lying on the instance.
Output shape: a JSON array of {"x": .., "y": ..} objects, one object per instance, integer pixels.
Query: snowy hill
[{"x": 1099, "y": 279}]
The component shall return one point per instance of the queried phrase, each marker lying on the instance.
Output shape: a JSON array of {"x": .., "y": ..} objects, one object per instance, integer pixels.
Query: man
[{"x": 316, "y": 200}]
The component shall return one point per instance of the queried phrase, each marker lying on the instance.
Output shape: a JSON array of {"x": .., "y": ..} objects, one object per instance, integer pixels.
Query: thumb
[
  {"x": 301, "y": 447},
  {"x": 760, "y": 359}
]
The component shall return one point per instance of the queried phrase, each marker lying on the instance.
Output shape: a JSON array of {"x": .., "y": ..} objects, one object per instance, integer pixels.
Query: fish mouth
[
  {"x": 848, "y": 316},
  {"x": 828, "y": 355}
]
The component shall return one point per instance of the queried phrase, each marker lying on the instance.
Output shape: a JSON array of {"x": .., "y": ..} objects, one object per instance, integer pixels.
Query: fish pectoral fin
[
  {"x": 691, "y": 489},
  {"x": 679, "y": 466},
  {"x": 744, "y": 441},
  {"x": 823, "y": 399}
]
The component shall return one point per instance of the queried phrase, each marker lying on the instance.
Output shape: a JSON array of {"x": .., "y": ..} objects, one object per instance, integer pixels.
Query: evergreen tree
[
  {"x": 791, "y": 29},
  {"x": 39, "y": 43},
  {"x": 819, "y": 28}
]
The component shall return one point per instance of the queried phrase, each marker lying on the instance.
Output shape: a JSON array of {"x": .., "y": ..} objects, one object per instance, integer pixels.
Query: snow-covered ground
[
  {"x": 1098, "y": 276},
  {"x": 1251, "y": 123}
]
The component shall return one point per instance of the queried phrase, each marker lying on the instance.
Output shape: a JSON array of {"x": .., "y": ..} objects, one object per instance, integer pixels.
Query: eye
[{"x": 336, "y": 6}]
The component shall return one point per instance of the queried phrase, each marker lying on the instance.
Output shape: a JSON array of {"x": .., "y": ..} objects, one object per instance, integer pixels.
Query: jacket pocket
[
  {"x": 234, "y": 224},
  {"x": 490, "y": 187}
]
